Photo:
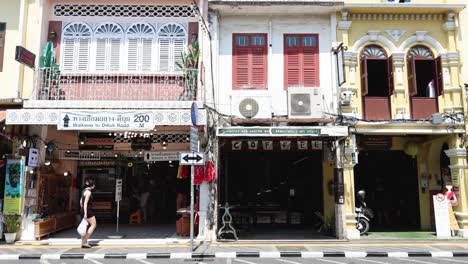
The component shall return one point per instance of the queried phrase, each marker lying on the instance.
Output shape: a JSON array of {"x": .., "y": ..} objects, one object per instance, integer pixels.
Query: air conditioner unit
[
  {"x": 251, "y": 106},
  {"x": 304, "y": 102}
]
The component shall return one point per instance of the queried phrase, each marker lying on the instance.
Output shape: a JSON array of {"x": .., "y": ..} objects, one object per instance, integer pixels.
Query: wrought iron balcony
[{"x": 51, "y": 84}]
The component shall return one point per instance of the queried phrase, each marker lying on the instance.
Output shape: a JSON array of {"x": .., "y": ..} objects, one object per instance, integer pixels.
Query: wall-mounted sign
[
  {"x": 25, "y": 57},
  {"x": 96, "y": 141},
  {"x": 160, "y": 156},
  {"x": 375, "y": 142},
  {"x": 106, "y": 120},
  {"x": 274, "y": 145},
  {"x": 141, "y": 143},
  {"x": 33, "y": 157},
  {"x": 13, "y": 187},
  {"x": 282, "y": 131}
]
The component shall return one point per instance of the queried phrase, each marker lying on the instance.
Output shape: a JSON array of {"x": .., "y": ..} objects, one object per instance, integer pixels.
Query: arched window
[
  {"x": 424, "y": 72},
  {"x": 108, "y": 39},
  {"x": 76, "y": 42},
  {"x": 376, "y": 72},
  {"x": 140, "y": 47},
  {"x": 171, "y": 43}
]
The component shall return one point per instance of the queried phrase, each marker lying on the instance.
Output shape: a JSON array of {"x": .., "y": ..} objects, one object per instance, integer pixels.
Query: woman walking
[{"x": 86, "y": 211}]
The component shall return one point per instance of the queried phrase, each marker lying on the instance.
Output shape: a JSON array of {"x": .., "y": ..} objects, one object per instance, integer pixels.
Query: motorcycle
[{"x": 364, "y": 214}]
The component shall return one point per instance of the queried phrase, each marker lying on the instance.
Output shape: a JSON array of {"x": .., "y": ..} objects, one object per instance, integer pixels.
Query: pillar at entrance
[
  {"x": 350, "y": 211},
  {"x": 458, "y": 169}
]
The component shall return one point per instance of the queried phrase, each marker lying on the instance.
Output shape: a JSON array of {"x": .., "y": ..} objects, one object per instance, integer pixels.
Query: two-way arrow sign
[{"x": 191, "y": 158}]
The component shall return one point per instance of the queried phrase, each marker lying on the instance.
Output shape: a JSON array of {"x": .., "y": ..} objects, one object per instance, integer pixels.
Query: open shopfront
[{"x": 274, "y": 185}]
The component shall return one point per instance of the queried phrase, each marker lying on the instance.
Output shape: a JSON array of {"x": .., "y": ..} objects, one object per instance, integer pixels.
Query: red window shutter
[
  {"x": 412, "y": 85},
  {"x": 55, "y": 26},
  {"x": 439, "y": 75},
  {"x": 293, "y": 67},
  {"x": 250, "y": 64},
  {"x": 193, "y": 32},
  {"x": 241, "y": 67},
  {"x": 391, "y": 86},
  {"x": 310, "y": 69},
  {"x": 2, "y": 47},
  {"x": 301, "y": 67},
  {"x": 258, "y": 67},
  {"x": 364, "y": 83}
]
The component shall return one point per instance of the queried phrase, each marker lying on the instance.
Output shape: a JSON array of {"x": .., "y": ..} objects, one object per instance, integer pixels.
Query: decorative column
[
  {"x": 351, "y": 154},
  {"x": 458, "y": 170},
  {"x": 400, "y": 103}
]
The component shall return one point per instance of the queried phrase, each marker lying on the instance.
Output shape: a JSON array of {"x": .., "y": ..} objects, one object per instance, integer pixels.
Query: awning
[
  {"x": 103, "y": 120},
  {"x": 283, "y": 131}
]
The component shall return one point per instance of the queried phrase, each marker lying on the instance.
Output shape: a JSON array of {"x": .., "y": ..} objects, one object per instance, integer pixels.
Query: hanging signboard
[
  {"x": 301, "y": 145},
  {"x": 33, "y": 157},
  {"x": 106, "y": 120},
  {"x": 441, "y": 213},
  {"x": 25, "y": 57},
  {"x": 13, "y": 187},
  {"x": 160, "y": 156},
  {"x": 313, "y": 131}
]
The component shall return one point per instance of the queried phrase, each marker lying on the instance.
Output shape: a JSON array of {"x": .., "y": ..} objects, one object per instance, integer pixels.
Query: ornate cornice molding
[{"x": 390, "y": 17}]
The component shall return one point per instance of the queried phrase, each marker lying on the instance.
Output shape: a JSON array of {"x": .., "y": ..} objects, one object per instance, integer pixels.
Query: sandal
[{"x": 86, "y": 245}]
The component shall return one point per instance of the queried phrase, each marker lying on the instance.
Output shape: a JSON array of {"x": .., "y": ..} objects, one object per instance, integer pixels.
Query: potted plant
[{"x": 12, "y": 225}]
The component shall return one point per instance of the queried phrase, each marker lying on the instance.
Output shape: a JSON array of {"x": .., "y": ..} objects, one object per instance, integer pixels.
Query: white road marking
[
  {"x": 270, "y": 255},
  {"x": 450, "y": 260},
  {"x": 373, "y": 261},
  {"x": 325, "y": 260},
  {"x": 355, "y": 254},
  {"x": 244, "y": 261},
  {"x": 143, "y": 261},
  {"x": 94, "y": 261},
  {"x": 227, "y": 255},
  {"x": 50, "y": 256},
  {"x": 288, "y": 261},
  {"x": 442, "y": 254},
  {"x": 93, "y": 256},
  {"x": 9, "y": 257},
  {"x": 137, "y": 256},
  {"x": 311, "y": 254},
  {"x": 397, "y": 254},
  {"x": 416, "y": 261}
]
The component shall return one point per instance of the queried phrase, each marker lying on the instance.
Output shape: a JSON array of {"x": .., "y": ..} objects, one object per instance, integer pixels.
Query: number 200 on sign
[{"x": 141, "y": 118}]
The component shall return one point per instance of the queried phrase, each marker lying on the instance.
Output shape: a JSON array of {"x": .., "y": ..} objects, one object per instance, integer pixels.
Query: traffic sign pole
[{"x": 192, "y": 170}]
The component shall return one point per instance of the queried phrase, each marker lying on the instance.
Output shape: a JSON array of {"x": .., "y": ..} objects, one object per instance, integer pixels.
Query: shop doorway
[
  {"x": 274, "y": 195},
  {"x": 154, "y": 189},
  {"x": 391, "y": 184}
]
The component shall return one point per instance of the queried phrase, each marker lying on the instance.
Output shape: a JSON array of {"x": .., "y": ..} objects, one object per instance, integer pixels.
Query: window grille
[{"x": 77, "y": 10}]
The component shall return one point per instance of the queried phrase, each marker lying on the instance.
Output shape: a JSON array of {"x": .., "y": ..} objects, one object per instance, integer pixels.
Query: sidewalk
[{"x": 128, "y": 249}]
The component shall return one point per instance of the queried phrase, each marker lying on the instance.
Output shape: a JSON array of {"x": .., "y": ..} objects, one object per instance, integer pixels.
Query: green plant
[
  {"x": 12, "y": 223},
  {"x": 189, "y": 66}
]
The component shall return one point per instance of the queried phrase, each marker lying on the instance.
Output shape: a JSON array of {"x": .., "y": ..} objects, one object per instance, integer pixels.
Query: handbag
[{"x": 82, "y": 227}]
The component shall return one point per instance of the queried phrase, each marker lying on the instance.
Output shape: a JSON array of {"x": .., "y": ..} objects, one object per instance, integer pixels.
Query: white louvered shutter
[
  {"x": 114, "y": 54},
  {"x": 179, "y": 48},
  {"x": 132, "y": 55},
  {"x": 164, "y": 54},
  {"x": 146, "y": 54},
  {"x": 68, "y": 55},
  {"x": 101, "y": 54},
  {"x": 83, "y": 54}
]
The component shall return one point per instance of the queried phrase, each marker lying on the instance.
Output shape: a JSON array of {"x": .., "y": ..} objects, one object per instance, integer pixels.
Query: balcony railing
[{"x": 51, "y": 84}]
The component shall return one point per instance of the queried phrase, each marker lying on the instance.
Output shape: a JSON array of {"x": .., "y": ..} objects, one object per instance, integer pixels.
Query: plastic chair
[{"x": 135, "y": 218}]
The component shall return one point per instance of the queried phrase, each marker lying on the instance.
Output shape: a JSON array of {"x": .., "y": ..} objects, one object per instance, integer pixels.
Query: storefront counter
[{"x": 53, "y": 224}]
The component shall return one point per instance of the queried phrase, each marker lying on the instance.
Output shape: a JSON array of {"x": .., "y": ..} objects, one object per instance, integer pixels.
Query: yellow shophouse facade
[{"x": 404, "y": 101}]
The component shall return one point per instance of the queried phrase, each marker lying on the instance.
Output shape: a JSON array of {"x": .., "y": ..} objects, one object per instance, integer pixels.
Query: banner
[
  {"x": 106, "y": 120},
  {"x": 13, "y": 187}
]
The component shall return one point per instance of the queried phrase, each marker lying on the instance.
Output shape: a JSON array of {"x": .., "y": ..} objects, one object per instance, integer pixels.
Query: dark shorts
[{"x": 90, "y": 212}]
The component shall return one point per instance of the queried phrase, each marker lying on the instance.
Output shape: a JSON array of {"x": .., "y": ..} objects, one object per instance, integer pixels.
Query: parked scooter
[{"x": 364, "y": 214}]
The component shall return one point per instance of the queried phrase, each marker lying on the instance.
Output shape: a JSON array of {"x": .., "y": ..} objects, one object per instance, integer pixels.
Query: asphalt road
[{"x": 258, "y": 261}]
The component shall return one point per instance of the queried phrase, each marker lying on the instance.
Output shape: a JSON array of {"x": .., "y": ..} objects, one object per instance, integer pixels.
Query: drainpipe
[{"x": 20, "y": 43}]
